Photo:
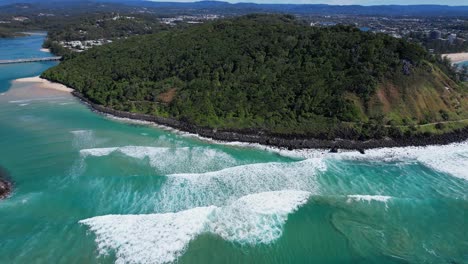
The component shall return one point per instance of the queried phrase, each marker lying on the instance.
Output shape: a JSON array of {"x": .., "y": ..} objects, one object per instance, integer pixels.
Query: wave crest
[
  {"x": 162, "y": 238},
  {"x": 451, "y": 159},
  {"x": 368, "y": 198},
  {"x": 182, "y": 191},
  {"x": 192, "y": 159}
]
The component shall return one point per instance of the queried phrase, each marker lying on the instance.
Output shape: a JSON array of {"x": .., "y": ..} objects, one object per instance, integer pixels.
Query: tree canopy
[{"x": 265, "y": 72}]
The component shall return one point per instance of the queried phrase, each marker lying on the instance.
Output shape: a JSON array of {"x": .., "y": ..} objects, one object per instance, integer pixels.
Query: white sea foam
[
  {"x": 256, "y": 218},
  {"x": 451, "y": 159},
  {"x": 50, "y": 98},
  {"x": 266, "y": 171},
  {"x": 153, "y": 238},
  {"x": 25, "y": 104},
  {"x": 97, "y": 152},
  {"x": 83, "y": 139},
  {"x": 19, "y": 101},
  {"x": 162, "y": 238},
  {"x": 191, "y": 159},
  {"x": 182, "y": 191},
  {"x": 300, "y": 154},
  {"x": 368, "y": 198}
]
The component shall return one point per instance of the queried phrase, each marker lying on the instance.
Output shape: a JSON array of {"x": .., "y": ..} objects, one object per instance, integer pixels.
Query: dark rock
[
  {"x": 284, "y": 141},
  {"x": 5, "y": 185},
  {"x": 406, "y": 67}
]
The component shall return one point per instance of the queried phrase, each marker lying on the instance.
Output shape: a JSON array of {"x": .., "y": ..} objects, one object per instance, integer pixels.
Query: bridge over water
[{"x": 30, "y": 60}]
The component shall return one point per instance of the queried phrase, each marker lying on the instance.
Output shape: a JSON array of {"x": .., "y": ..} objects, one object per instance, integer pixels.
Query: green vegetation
[
  {"x": 76, "y": 22},
  {"x": 273, "y": 74},
  {"x": 8, "y": 33},
  {"x": 99, "y": 26},
  {"x": 104, "y": 25}
]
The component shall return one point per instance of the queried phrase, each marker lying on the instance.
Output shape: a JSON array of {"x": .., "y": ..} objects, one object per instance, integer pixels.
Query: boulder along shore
[
  {"x": 289, "y": 142},
  {"x": 5, "y": 185}
]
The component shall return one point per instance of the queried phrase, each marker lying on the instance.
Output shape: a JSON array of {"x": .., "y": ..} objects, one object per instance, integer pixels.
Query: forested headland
[
  {"x": 7, "y": 33},
  {"x": 96, "y": 26},
  {"x": 275, "y": 75}
]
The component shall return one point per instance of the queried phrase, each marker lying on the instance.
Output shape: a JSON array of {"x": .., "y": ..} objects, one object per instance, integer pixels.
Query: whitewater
[{"x": 90, "y": 188}]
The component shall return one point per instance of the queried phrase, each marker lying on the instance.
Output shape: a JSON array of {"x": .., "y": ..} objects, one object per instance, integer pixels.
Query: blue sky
[{"x": 347, "y": 2}]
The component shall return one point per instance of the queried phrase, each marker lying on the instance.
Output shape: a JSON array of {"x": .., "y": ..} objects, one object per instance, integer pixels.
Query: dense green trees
[
  {"x": 262, "y": 72},
  {"x": 104, "y": 26},
  {"x": 9, "y": 33}
]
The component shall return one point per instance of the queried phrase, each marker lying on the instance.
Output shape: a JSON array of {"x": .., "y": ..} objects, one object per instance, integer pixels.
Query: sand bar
[
  {"x": 43, "y": 83},
  {"x": 457, "y": 57}
]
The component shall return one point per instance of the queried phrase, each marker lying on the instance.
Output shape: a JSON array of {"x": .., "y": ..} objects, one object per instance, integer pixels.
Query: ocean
[
  {"x": 462, "y": 63},
  {"x": 90, "y": 188}
]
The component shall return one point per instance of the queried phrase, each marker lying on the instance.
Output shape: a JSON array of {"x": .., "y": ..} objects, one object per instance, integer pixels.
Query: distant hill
[
  {"x": 34, "y": 7},
  {"x": 271, "y": 74},
  {"x": 245, "y": 8},
  {"x": 317, "y": 9}
]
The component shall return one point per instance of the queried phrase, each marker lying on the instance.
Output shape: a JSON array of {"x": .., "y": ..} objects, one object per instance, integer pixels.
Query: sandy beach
[
  {"x": 43, "y": 83},
  {"x": 45, "y": 50},
  {"x": 457, "y": 57}
]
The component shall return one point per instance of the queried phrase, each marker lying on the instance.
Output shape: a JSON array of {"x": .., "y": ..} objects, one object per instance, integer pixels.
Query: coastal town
[
  {"x": 442, "y": 37},
  {"x": 80, "y": 45},
  {"x": 439, "y": 35}
]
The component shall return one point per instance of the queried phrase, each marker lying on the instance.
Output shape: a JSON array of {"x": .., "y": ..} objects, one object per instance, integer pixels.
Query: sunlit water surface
[{"x": 92, "y": 189}]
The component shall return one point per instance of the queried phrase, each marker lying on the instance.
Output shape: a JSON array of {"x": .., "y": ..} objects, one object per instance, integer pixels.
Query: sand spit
[
  {"x": 43, "y": 83},
  {"x": 457, "y": 57}
]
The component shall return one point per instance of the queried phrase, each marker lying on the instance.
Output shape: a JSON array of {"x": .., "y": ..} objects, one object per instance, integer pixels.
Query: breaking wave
[
  {"x": 451, "y": 159},
  {"x": 162, "y": 238},
  {"x": 163, "y": 159},
  {"x": 368, "y": 198},
  {"x": 182, "y": 191}
]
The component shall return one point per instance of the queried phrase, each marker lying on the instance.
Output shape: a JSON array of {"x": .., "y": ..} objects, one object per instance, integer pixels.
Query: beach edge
[{"x": 44, "y": 83}]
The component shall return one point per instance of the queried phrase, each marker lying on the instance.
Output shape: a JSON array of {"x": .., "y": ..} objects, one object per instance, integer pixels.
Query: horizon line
[{"x": 297, "y": 4}]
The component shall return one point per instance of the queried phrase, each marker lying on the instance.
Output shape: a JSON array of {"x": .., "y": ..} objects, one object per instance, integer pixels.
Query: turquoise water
[
  {"x": 463, "y": 63},
  {"x": 21, "y": 48},
  {"x": 92, "y": 189}
]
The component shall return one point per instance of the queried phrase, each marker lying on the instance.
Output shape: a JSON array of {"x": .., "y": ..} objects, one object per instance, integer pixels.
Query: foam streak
[{"x": 162, "y": 238}]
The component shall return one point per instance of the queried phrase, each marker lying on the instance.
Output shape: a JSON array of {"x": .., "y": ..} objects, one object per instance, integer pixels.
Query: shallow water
[
  {"x": 21, "y": 48},
  {"x": 461, "y": 64},
  {"x": 93, "y": 189}
]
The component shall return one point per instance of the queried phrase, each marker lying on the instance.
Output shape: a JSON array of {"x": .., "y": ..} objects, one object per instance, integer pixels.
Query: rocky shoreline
[
  {"x": 5, "y": 185},
  {"x": 290, "y": 142}
]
